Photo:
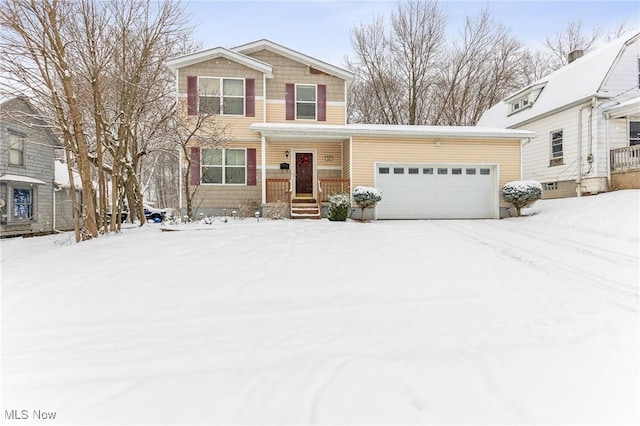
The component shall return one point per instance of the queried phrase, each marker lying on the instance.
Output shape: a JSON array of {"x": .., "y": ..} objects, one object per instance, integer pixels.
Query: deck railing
[
  {"x": 625, "y": 158},
  {"x": 278, "y": 190},
  {"x": 332, "y": 186}
]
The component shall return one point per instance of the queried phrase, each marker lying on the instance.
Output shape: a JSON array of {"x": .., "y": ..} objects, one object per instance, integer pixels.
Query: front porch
[
  {"x": 305, "y": 206},
  {"x": 625, "y": 168}
]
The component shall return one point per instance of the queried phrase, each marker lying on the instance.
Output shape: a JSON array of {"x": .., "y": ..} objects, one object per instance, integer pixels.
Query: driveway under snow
[{"x": 529, "y": 320}]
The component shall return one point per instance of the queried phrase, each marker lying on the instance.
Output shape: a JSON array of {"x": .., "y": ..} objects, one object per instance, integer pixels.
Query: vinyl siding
[
  {"x": 276, "y": 113},
  {"x": 622, "y": 81},
  {"x": 276, "y": 150},
  {"x": 367, "y": 151},
  {"x": 286, "y": 70},
  {"x": 536, "y": 154}
]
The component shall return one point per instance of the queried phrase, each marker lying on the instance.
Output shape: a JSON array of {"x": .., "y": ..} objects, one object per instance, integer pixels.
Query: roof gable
[
  {"x": 569, "y": 85},
  {"x": 295, "y": 56},
  {"x": 219, "y": 52}
]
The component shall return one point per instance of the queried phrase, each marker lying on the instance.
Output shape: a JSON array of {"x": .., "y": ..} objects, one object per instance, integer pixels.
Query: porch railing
[
  {"x": 625, "y": 158},
  {"x": 332, "y": 186},
  {"x": 278, "y": 190}
]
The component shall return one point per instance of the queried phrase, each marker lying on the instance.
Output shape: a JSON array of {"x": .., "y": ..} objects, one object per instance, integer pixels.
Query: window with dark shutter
[
  {"x": 322, "y": 102},
  {"x": 194, "y": 173},
  {"x": 250, "y": 93},
  {"x": 192, "y": 95},
  {"x": 289, "y": 96},
  {"x": 251, "y": 166}
]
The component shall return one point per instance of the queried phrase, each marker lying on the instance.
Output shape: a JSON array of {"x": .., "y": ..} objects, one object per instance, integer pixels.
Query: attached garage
[{"x": 437, "y": 191}]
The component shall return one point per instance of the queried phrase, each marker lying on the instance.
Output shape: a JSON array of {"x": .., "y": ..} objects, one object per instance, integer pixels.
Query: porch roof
[
  {"x": 23, "y": 179},
  {"x": 302, "y": 131},
  {"x": 624, "y": 109}
]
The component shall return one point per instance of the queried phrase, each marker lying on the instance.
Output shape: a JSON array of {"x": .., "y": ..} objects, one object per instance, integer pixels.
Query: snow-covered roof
[
  {"x": 571, "y": 84},
  {"x": 23, "y": 179},
  {"x": 193, "y": 58},
  {"x": 62, "y": 176},
  {"x": 623, "y": 109},
  {"x": 347, "y": 130}
]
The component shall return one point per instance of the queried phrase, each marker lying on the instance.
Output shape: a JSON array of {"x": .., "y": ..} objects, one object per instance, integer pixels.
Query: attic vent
[
  {"x": 576, "y": 54},
  {"x": 315, "y": 71}
]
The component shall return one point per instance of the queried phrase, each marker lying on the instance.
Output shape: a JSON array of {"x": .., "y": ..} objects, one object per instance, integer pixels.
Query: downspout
[
  {"x": 579, "y": 177},
  {"x": 264, "y": 98},
  {"x": 263, "y": 168},
  {"x": 607, "y": 157},
  {"x": 180, "y": 179},
  {"x": 54, "y": 209}
]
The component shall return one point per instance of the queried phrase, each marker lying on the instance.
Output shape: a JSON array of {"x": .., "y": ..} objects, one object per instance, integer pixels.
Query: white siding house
[{"x": 587, "y": 119}]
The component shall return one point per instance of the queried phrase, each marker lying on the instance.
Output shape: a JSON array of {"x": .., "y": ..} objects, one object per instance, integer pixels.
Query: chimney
[{"x": 575, "y": 55}]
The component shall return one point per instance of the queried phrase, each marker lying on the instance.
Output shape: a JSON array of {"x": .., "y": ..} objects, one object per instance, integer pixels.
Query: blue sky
[{"x": 321, "y": 28}]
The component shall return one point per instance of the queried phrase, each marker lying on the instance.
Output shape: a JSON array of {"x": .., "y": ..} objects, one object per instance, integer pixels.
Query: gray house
[{"x": 27, "y": 158}]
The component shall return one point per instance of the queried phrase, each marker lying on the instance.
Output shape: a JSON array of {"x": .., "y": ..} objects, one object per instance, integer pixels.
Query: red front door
[{"x": 304, "y": 173}]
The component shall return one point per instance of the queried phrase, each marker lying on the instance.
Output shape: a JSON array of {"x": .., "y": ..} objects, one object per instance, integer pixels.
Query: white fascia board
[
  {"x": 296, "y": 56},
  {"x": 219, "y": 52},
  {"x": 349, "y": 130},
  {"x": 23, "y": 179}
]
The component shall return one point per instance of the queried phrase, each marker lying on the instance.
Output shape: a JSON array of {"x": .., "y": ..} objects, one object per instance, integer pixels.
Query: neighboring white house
[{"x": 587, "y": 119}]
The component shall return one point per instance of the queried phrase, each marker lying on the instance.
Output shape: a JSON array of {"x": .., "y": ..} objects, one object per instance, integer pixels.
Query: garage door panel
[{"x": 435, "y": 191}]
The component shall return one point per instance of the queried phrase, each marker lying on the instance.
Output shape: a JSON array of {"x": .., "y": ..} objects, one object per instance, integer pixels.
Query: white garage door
[{"x": 436, "y": 191}]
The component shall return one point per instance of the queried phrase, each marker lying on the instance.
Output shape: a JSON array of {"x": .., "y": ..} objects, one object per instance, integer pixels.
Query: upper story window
[
  {"x": 519, "y": 105},
  {"x": 221, "y": 95},
  {"x": 16, "y": 149},
  {"x": 224, "y": 166},
  {"x": 634, "y": 133},
  {"x": 306, "y": 101},
  {"x": 556, "y": 148}
]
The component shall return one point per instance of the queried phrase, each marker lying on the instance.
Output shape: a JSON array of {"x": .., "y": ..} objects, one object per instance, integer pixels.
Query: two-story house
[
  {"x": 290, "y": 141},
  {"x": 27, "y": 154},
  {"x": 587, "y": 119}
]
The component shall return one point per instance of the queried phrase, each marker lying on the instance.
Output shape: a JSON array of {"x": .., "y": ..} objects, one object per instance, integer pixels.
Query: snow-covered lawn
[{"x": 530, "y": 320}]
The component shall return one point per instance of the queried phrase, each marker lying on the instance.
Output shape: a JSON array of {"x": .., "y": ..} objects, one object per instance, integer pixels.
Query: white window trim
[
  {"x": 315, "y": 102},
  {"x": 223, "y": 166},
  {"x": 559, "y": 158},
  {"x": 221, "y": 95},
  {"x": 21, "y": 138},
  {"x": 629, "y": 138}
]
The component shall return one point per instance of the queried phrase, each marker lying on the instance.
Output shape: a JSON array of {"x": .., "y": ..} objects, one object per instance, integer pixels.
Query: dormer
[{"x": 524, "y": 99}]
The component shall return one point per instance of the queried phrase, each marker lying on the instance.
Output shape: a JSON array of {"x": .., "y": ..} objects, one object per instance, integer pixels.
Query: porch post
[{"x": 263, "y": 168}]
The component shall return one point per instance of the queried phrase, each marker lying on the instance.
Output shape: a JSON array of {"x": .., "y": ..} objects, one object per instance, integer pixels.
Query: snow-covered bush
[
  {"x": 277, "y": 210},
  {"x": 339, "y": 207},
  {"x": 248, "y": 208},
  {"x": 522, "y": 193},
  {"x": 366, "y": 197}
]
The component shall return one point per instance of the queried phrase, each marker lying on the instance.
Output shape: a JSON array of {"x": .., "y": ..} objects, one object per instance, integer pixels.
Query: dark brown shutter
[
  {"x": 251, "y": 166},
  {"x": 194, "y": 173},
  {"x": 250, "y": 96},
  {"x": 192, "y": 95},
  {"x": 290, "y": 100},
  {"x": 322, "y": 102}
]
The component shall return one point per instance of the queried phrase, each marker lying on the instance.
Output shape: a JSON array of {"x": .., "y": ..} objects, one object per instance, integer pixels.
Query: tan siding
[
  {"x": 368, "y": 151},
  {"x": 346, "y": 159},
  {"x": 286, "y": 70},
  {"x": 276, "y": 150},
  {"x": 276, "y": 114}
]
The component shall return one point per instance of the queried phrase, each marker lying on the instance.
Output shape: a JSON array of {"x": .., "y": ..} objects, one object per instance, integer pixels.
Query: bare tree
[
  {"x": 195, "y": 132},
  {"x": 480, "y": 69},
  {"x": 396, "y": 67},
  {"x": 571, "y": 38},
  {"x": 103, "y": 75}
]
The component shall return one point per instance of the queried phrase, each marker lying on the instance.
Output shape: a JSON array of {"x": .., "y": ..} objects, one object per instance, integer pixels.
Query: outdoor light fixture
[
  {"x": 258, "y": 216},
  {"x": 438, "y": 143},
  {"x": 286, "y": 154}
]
